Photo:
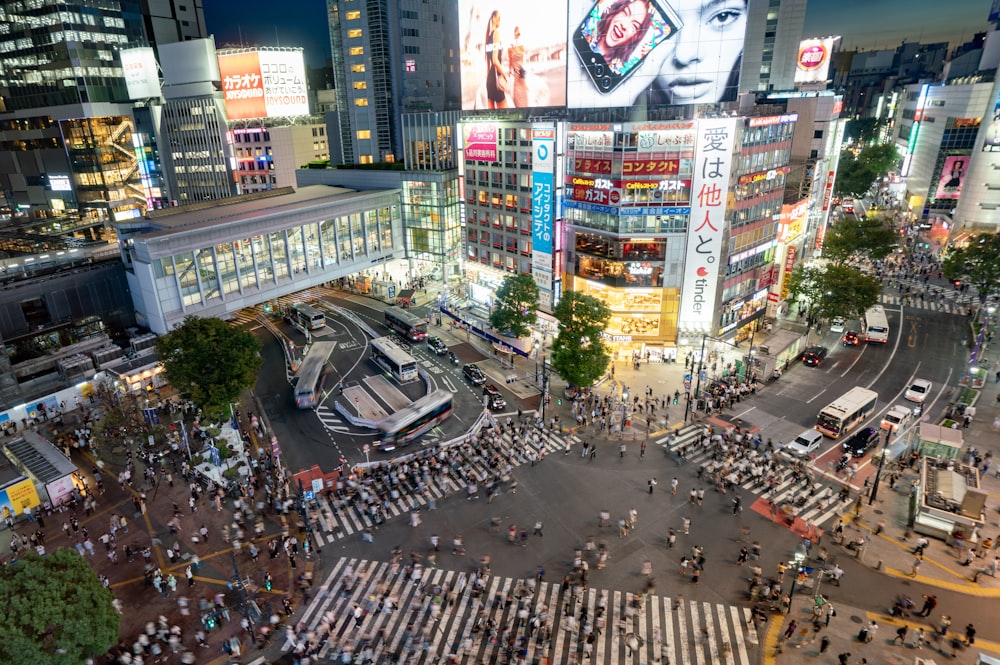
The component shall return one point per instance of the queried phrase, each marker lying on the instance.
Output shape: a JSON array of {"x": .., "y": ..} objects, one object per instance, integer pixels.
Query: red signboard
[
  {"x": 650, "y": 166},
  {"x": 587, "y": 165}
]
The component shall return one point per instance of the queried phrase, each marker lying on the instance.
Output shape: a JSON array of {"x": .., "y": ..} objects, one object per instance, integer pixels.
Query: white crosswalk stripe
[
  {"x": 340, "y": 518},
  {"x": 441, "y": 614},
  {"x": 817, "y": 508},
  {"x": 943, "y": 305}
]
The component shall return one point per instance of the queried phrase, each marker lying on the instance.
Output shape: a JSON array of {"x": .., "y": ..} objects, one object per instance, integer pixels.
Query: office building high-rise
[{"x": 774, "y": 30}]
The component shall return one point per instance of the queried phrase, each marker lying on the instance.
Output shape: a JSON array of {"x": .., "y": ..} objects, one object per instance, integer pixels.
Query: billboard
[
  {"x": 16, "y": 497},
  {"x": 623, "y": 50},
  {"x": 264, "y": 84},
  {"x": 813, "y": 63},
  {"x": 543, "y": 159},
  {"x": 991, "y": 128},
  {"x": 709, "y": 193},
  {"x": 480, "y": 143},
  {"x": 952, "y": 177},
  {"x": 142, "y": 80},
  {"x": 513, "y": 54}
]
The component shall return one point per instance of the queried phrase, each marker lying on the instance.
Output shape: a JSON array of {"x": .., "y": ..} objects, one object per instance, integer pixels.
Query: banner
[
  {"x": 813, "y": 63},
  {"x": 952, "y": 177},
  {"x": 709, "y": 193},
  {"x": 543, "y": 143}
]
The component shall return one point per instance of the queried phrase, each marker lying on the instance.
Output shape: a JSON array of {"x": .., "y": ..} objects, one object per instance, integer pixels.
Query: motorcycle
[
  {"x": 843, "y": 462},
  {"x": 452, "y": 357}
]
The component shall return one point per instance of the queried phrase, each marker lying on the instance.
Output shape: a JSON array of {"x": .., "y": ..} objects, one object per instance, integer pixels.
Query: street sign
[
  {"x": 687, "y": 384},
  {"x": 308, "y": 495},
  {"x": 687, "y": 377},
  {"x": 317, "y": 484},
  {"x": 366, "y": 448}
]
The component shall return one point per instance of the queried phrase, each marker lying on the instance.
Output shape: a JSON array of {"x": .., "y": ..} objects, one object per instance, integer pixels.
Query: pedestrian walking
[
  {"x": 538, "y": 528},
  {"x": 930, "y": 602},
  {"x": 791, "y": 629},
  {"x": 824, "y": 644},
  {"x": 900, "y": 635},
  {"x": 652, "y": 484},
  {"x": 621, "y": 451},
  {"x": 673, "y": 485},
  {"x": 693, "y": 496},
  {"x": 686, "y": 525},
  {"x": 671, "y": 538}
]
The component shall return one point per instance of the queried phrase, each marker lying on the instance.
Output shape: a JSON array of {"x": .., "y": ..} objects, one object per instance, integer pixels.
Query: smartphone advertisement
[
  {"x": 656, "y": 52},
  {"x": 513, "y": 54}
]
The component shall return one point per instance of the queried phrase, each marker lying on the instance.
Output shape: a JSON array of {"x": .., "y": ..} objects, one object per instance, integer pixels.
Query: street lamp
[
  {"x": 697, "y": 385},
  {"x": 881, "y": 462},
  {"x": 796, "y": 564}
]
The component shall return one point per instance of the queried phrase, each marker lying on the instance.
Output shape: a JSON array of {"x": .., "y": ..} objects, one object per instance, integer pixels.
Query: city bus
[
  {"x": 410, "y": 326},
  {"x": 389, "y": 357},
  {"x": 414, "y": 421},
  {"x": 847, "y": 412},
  {"x": 876, "y": 325},
  {"x": 309, "y": 317},
  {"x": 309, "y": 378}
]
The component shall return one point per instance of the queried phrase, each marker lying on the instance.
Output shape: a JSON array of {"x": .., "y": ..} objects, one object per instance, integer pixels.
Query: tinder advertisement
[{"x": 706, "y": 227}]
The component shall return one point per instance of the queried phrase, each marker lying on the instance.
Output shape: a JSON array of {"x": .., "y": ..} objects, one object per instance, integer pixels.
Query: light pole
[
  {"x": 881, "y": 462},
  {"x": 697, "y": 385}
]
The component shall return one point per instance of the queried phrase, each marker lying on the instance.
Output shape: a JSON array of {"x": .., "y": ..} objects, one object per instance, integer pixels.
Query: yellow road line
[
  {"x": 981, "y": 644},
  {"x": 772, "y": 638}
]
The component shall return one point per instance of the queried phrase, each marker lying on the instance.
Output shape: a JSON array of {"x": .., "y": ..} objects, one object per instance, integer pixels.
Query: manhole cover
[{"x": 877, "y": 512}]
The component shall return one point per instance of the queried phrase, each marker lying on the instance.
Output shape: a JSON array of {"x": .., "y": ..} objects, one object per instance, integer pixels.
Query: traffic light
[
  {"x": 675, "y": 399},
  {"x": 559, "y": 401}
]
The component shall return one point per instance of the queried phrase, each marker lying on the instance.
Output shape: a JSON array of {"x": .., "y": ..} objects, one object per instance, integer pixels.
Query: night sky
[{"x": 862, "y": 23}]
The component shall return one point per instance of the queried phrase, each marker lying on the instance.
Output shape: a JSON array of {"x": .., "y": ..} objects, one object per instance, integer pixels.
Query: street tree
[
  {"x": 578, "y": 351},
  {"x": 56, "y": 611},
  {"x": 210, "y": 362},
  {"x": 833, "y": 289},
  {"x": 856, "y": 173},
  {"x": 976, "y": 262},
  {"x": 515, "y": 308},
  {"x": 851, "y": 239}
]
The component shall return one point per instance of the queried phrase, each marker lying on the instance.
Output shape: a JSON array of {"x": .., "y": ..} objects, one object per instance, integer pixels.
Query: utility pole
[{"x": 881, "y": 462}]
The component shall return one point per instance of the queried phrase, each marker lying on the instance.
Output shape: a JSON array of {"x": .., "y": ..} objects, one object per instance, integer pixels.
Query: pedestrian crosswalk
[
  {"x": 815, "y": 506},
  {"x": 339, "y": 517},
  {"x": 434, "y": 615},
  {"x": 934, "y": 305}
]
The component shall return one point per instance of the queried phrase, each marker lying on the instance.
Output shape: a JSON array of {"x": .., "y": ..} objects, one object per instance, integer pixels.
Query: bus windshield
[{"x": 846, "y": 412}]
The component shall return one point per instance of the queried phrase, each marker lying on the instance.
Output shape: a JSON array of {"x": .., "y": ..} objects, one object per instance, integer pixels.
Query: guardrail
[
  {"x": 484, "y": 417},
  {"x": 353, "y": 419}
]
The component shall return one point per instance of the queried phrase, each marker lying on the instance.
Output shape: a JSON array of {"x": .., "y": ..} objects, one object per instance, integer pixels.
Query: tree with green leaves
[
  {"x": 976, "y": 262},
  {"x": 578, "y": 351},
  {"x": 851, "y": 239},
  {"x": 515, "y": 308},
  {"x": 833, "y": 290},
  {"x": 856, "y": 173},
  {"x": 210, "y": 362},
  {"x": 56, "y": 611}
]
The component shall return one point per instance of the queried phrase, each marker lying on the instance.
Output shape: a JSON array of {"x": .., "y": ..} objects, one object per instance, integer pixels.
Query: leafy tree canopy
[
  {"x": 210, "y": 362},
  {"x": 834, "y": 290},
  {"x": 977, "y": 262},
  {"x": 516, "y": 305},
  {"x": 855, "y": 174},
  {"x": 56, "y": 611},
  {"x": 863, "y": 130},
  {"x": 578, "y": 351},
  {"x": 851, "y": 239}
]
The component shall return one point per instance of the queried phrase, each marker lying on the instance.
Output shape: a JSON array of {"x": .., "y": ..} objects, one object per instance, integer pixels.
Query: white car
[
  {"x": 837, "y": 324},
  {"x": 805, "y": 444},
  {"x": 918, "y": 391},
  {"x": 897, "y": 417}
]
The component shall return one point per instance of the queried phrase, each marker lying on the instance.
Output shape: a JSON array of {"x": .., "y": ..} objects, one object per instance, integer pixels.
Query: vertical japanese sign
[
  {"x": 543, "y": 161},
  {"x": 709, "y": 192}
]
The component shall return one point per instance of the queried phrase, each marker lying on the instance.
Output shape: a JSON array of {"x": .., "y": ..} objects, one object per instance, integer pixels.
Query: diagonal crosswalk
[
  {"x": 421, "y": 615},
  {"x": 948, "y": 305},
  {"x": 342, "y": 517},
  {"x": 817, "y": 508}
]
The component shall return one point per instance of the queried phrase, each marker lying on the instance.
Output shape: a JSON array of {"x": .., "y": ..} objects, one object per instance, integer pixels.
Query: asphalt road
[{"x": 567, "y": 492}]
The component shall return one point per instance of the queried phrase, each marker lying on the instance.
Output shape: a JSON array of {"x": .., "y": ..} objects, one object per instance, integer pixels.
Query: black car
[
  {"x": 494, "y": 400},
  {"x": 861, "y": 442},
  {"x": 437, "y": 346},
  {"x": 474, "y": 375},
  {"x": 814, "y": 355},
  {"x": 852, "y": 338}
]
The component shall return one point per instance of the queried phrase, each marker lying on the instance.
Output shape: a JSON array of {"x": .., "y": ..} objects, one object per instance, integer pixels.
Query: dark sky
[{"x": 862, "y": 23}]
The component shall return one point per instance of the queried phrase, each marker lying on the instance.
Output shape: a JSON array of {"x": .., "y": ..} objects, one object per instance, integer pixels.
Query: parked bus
[
  {"x": 309, "y": 378},
  {"x": 309, "y": 317},
  {"x": 388, "y": 356},
  {"x": 410, "y": 326},
  {"x": 876, "y": 325},
  {"x": 847, "y": 412},
  {"x": 414, "y": 421}
]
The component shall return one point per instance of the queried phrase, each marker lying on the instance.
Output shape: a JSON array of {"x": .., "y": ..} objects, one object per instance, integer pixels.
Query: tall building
[
  {"x": 774, "y": 30},
  {"x": 67, "y": 133},
  {"x": 389, "y": 58}
]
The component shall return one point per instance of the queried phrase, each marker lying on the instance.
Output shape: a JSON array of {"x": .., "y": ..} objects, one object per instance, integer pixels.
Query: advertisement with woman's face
[
  {"x": 952, "y": 176},
  {"x": 690, "y": 51},
  {"x": 510, "y": 55}
]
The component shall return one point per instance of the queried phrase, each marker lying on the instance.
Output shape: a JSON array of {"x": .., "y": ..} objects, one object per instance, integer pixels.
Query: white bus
[
  {"x": 876, "y": 325},
  {"x": 847, "y": 412},
  {"x": 414, "y": 421},
  {"x": 309, "y": 378},
  {"x": 309, "y": 317},
  {"x": 388, "y": 356}
]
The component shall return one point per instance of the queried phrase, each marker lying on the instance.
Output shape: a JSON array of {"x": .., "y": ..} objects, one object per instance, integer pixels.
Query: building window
[
  {"x": 361, "y": 101},
  {"x": 354, "y": 34},
  {"x": 358, "y": 69},
  {"x": 357, "y": 50},
  {"x": 365, "y": 159},
  {"x": 353, "y": 16},
  {"x": 360, "y": 85},
  {"x": 364, "y": 133}
]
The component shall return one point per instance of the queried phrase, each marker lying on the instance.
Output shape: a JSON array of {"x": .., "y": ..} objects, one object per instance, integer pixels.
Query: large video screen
[
  {"x": 513, "y": 53},
  {"x": 623, "y": 52}
]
